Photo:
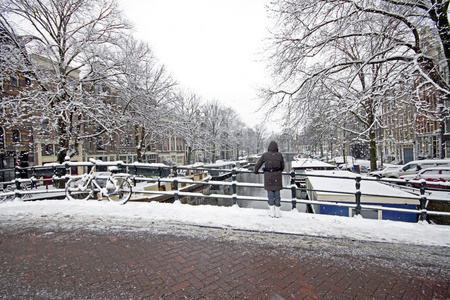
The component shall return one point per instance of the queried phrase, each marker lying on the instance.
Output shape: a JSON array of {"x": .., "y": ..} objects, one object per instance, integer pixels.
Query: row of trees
[
  {"x": 339, "y": 61},
  {"x": 97, "y": 73}
]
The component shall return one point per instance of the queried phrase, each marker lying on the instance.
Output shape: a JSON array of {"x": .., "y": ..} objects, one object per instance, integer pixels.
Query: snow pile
[{"x": 137, "y": 216}]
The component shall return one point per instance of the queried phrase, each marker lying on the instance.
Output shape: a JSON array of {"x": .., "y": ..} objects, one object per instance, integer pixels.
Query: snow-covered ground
[{"x": 139, "y": 216}]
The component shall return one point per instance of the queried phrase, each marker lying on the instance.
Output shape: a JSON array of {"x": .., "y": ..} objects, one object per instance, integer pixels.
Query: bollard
[
  {"x": 293, "y": 190},
  {"x": 175, "y": 171},
  {"x": 175, "y": 183},
  {"x": 67, "y": 166},
  {"x": 358, "y": 196},
  {"x": 17, "y": 182},
  {"x": 34, "y": 181},
  {"x": 16, "y": 177},
  {"x": 17, "y": 190},
  {"x": 120, "y": 167},
  {"x": 423, "y": 200},
  {"x": 67, "y": 170},
  {"x": 233, "y": 185},
  {"x": 54, "y": 180}
]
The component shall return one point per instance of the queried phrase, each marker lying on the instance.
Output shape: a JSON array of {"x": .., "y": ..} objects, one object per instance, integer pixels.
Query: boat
[
  {"x": 300, "y": 166},
  {"x": 220, "y": 170},
  {"x": 340, "y": 186},
  {"x": 162, "y": 190}
]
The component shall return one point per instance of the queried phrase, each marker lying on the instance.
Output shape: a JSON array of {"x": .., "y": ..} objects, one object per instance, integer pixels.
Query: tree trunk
[
  {"x": 373, "y": 150},
  {"x": 63, "y": 142},
  {"x": 188, "y": 154},
  {"x": 139, "y": 143}
]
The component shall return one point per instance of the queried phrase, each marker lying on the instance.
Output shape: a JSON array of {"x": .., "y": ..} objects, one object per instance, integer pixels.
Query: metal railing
[{"x": 58, "y": 173}]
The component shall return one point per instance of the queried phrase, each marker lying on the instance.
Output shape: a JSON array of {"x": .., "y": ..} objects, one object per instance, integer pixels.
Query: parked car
[
  {"x": 414, "y": 167},
  {"x": 386, "y": 172},
  {"x": 436, "y": 175}
]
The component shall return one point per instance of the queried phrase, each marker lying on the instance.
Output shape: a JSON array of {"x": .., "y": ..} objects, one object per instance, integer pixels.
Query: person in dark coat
[{"x": 273, "y": 167}]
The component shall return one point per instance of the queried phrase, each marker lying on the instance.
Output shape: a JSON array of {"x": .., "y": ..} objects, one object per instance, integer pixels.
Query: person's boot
[
  {"x": 277, "y": 212},
  {"x": 272, "y": 211}
]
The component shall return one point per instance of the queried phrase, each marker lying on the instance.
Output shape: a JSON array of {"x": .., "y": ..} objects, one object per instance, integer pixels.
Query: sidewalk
[{"x": 39, "y": 263}]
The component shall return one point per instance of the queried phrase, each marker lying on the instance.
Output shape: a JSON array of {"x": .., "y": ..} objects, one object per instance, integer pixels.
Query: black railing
[{"x": 57, "y": 174}]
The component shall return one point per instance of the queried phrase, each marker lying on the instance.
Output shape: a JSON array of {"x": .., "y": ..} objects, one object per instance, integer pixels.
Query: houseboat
[
  {"x": 300, "y": 166},
  {"x": 340, "y": 187}
]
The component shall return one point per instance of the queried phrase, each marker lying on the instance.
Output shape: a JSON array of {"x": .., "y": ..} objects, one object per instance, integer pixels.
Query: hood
[{"x": 273, "y": 147}]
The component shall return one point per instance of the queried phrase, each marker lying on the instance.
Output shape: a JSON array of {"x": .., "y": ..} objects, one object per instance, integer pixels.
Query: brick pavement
[{"x": 39, "y": 263}]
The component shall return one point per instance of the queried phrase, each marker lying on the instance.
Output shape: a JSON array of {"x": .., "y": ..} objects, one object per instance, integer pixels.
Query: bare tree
[
  {"x": 260, "y": 138},
  {"x": 357, "y": 53},
  {"x": 223, "y": 131},
  {"x": 76, "y": 40},
  {"x": 146, "y": 91},
  {"x": 189, "y": 118},
  {"x": 213, "y": 125}
]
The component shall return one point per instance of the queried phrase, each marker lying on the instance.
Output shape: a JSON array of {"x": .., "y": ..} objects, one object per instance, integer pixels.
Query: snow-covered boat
[
  {"x": 162, "y": 191},
  {"x": 340, "y": 186}
]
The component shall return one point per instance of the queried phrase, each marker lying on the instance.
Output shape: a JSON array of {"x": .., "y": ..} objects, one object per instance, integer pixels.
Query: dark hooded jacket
[{"x": 273, "y": 166}]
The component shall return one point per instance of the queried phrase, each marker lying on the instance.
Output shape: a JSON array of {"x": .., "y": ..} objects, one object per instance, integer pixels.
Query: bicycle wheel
[
  {"x": 8, "y": 193},
  {"x": 77, "y": 189},
  {"x": 4, "y": 198},
  {"x": 122, "y": 190},
  {"x": 26, "y": 187}
]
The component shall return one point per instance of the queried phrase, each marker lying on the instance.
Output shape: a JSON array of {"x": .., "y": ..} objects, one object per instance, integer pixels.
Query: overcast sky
[{"x": 213, "y": 48}]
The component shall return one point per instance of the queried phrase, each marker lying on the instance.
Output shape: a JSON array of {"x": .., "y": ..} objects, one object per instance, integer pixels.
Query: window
[
  {"x": 15, "y": 136},
  {"x": 152, "y": 158},
  {"x": 100, "y": 144},
  {"x": 98, "y": 89},
  {"x": 13, "y": 81},
  {"x": 99, "y": 128},
  {"x": 445, "y": 172},
  {"x": 447, "y": 149},
  {"x": 47, "y": 150},
  {"x": 2, "y": 138},
  {"x": 44, "y": 127},
  {"x": 410, "y": 167},
  {"x": 127, "y": 142},
  {"x": 447, "y": 126},
  {"x": 431, "y": 172}
]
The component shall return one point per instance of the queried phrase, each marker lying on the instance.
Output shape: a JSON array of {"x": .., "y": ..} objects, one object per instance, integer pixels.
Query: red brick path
[{"x": 81, "y": 264}]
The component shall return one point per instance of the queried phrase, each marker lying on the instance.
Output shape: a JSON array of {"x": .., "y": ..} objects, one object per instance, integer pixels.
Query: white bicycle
[{"x": 117, "y": 188}]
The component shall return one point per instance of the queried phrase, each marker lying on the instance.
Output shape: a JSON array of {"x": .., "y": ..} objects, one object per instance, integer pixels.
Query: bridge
[{"x": 157, "y": 182}]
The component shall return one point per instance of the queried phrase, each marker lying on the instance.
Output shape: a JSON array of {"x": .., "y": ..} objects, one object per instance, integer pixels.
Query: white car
[
  {"x": 415, "y": 167},
  {"x": 387, "y": 172}
]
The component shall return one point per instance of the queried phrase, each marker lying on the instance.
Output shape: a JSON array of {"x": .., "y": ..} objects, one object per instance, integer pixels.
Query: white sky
[{"x": 213, "y": 48}]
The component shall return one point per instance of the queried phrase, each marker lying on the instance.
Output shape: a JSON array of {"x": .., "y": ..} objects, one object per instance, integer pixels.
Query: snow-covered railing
[{"x": 59, "y": 173}]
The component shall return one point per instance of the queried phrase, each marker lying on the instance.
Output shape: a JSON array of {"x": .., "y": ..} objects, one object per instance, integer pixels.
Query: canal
[{"x": 246, "y": 191}]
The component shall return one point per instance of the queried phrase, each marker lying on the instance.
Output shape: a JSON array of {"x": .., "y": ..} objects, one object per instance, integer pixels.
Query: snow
[
  {"x": 307, "y": 163},
  {"x": 104, "y": 215},
  {"x": 342, "y": 182}
]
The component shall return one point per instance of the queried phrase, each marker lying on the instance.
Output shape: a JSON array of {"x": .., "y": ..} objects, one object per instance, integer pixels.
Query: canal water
[{"x": 246, "y": 191}]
